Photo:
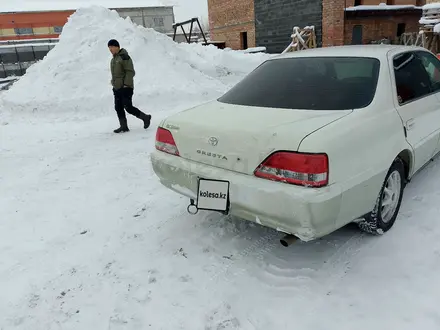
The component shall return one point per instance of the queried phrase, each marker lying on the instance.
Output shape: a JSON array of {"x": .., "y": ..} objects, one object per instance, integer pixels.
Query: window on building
[
  {"x": 158, "y": 21},
  {"x": 400, "y": 29},
  {"x": 244, "y": 40},
  {"x": 358, "y": 2},
  {"x": 412, "y": 80},
  {"x": 24, "y": 31},
  {"x": 57, "y": 29}
]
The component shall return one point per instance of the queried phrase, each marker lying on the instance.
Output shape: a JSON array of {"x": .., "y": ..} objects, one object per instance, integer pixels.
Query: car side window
[
  {"x": 432, "y": 67},
  {"x": 412, "y": 80}
]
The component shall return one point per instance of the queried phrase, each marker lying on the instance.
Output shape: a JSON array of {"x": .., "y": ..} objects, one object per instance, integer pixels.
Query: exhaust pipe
[{"x": 288, "y": 240}]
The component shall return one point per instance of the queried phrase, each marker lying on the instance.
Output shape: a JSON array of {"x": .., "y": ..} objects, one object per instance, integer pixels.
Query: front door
[
  {"x": 417, "y": 106},
  {"x": 356, "y": 38},
  {"x": 244, "y": 40}
]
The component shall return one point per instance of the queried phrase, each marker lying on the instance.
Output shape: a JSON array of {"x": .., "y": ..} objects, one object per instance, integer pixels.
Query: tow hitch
[{"x": 192, "y": 207}]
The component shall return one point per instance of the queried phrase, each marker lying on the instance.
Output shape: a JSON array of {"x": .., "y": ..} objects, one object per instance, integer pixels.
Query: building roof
[
  {"x": 375, "y": 51},
  {"x": 382, "y": 6},
  {"x": 61, "y": 5}
]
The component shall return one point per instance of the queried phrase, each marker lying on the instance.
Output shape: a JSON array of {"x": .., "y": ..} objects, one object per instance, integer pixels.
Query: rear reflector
[
  {"x": 165, "y": 142},
  {"x": 296, "y": 168}
]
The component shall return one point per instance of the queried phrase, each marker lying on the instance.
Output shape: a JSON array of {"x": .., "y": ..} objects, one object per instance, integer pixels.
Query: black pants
[{"x": 124, "y": 100}]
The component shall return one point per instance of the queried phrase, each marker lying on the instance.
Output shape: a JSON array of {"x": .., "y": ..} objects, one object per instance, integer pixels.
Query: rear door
[
  {"x": 417, "y": 105},
  {"x": 432, "y": 67}
]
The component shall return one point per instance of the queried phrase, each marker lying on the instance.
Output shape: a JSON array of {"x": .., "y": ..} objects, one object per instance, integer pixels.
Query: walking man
[{"x": 123, "y": 72}]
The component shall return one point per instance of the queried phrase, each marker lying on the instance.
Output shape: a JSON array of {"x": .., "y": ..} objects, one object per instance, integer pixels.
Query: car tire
[{"x": 387, "y": 206}]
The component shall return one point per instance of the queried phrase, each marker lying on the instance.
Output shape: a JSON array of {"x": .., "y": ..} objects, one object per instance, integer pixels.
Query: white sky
[
  {"x": 186, "y": 9},
  {"x": 183, "y": 10}
]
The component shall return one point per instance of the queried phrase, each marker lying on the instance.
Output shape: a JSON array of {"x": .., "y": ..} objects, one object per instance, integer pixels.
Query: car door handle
[{"x": 410, "y": 124}]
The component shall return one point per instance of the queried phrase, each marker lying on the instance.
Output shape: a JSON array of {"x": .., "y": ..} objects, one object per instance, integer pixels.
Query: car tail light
[
  {"x": 165, "y": 142},
  {"x": 295, "y": 168}
]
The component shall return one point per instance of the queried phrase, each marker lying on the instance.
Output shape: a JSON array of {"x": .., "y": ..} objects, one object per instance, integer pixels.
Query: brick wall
[
  {"x": 229, "y": 18},
  {"x": 269, "y": 23},
  {"x": 275, "y": 20},
  {"x": 377, "y": 28},
  {"x": 333, "y": 22}
]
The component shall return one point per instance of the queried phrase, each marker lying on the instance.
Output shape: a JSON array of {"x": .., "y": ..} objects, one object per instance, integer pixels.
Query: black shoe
[
  {"x": 147, "y": 122},
  {"x": 121, "y": 130},
  {"x": 123, "y": 126},
  {"x": 146, "y": 119}
]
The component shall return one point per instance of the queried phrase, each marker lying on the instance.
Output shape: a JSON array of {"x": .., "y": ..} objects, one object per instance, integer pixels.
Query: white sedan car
[{"x": 309, "y": 141}]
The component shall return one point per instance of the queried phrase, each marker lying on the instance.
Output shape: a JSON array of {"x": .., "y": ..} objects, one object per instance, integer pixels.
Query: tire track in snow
[
  {"x": 334, "y": 267},
  {"x": 334, "y": 270},
  {"x": 330, "y": 273},
  {"x": 263, "y": 245}
]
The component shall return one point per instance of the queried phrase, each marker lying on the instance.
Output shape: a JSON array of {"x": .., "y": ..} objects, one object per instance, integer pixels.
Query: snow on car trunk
[{"x": 239, "y": 138}]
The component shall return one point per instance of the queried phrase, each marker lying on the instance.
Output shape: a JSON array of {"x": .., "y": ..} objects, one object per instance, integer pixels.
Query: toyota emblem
[{"x": 213, "y": 141}]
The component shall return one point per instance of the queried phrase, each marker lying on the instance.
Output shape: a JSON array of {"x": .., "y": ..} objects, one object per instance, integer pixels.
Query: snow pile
[
  {"x": 430, "y": 14},
  {"x": 429, "y": 21},
  {"x": 255, "y": 50},
  {"x": 434, "y": 5},
  {"x": 76, "y": 72}
]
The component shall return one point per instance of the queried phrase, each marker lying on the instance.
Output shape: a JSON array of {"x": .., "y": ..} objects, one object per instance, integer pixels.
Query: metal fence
[{"x": 16, "y": 58}]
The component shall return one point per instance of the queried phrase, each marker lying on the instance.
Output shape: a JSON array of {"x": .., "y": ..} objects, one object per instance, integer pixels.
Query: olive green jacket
[{"x": 122, "y": 70}]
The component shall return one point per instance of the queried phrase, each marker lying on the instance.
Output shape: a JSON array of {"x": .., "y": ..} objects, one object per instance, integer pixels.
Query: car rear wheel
[{"x": 385, "y": 212}]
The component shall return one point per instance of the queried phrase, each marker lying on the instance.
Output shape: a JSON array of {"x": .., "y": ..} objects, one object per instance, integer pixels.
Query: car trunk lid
[{"x": 239, "y": 138}]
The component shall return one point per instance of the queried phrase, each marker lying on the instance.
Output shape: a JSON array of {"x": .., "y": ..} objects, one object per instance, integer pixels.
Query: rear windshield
[{"x": 313, "y": 83}]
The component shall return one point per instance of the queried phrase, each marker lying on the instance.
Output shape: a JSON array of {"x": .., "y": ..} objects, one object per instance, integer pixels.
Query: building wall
[
  {"x": 377, "y": 28},
  {"x": 159, "y": 18},
  {"x": 333, "y": 17},
  {"x": 39, "y": 25},
  {"x": 32, "y": 25},
  {"x": 274, "y": 21},
  {"x": 229, "y": 18}
]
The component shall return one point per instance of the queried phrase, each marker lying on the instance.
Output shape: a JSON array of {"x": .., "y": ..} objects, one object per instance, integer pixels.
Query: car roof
[{"x": 374, "y": 51}]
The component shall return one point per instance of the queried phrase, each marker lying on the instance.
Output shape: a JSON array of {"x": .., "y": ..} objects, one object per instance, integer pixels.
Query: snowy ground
[{"x": 90, "y": 240}]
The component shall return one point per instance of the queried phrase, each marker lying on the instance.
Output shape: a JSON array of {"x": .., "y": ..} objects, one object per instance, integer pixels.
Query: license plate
[{"x": 213, "y": 195}]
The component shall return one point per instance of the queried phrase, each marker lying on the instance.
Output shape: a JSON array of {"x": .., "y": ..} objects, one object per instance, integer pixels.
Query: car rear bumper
[{"x": 307, "y": 213}]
